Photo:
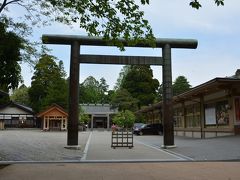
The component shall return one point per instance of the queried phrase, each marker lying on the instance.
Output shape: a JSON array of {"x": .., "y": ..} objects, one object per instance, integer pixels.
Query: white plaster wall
[
  {"x": 197, "y": 134},
  {"x": 13, "y": 110},
  {"x": 210, "y": 134}
]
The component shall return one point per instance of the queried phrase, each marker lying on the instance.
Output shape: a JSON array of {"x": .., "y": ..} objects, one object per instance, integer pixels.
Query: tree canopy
[
  {"x": 110, "y": 19},
  {"x": 10, "y": 46},
  {"x": 123, "y": 100},
  {"x": 83, "y": 117},
  {"x": 122, "y": 76},
  {"x": 180, "y": 85},
  {"x": 139, "y": 82},
  {"x": 124, "y": 119},
  {"x": 48, "y": 84},
  {"x": 21, "y": 96},
  {"x": 93, "y": 91}
]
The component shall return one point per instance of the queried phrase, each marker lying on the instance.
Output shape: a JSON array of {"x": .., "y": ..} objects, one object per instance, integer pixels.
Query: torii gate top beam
[{"x": 97, "y": 41}]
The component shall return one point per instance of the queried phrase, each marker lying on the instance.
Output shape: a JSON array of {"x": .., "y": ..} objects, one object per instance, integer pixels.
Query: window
[
  {"x": 193, "y": 115},
  {"x": 178, "y": 117}
]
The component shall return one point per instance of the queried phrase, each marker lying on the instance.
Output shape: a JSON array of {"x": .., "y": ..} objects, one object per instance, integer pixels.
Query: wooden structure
[
  {"x": 99, "y": 115},
  {"x": 211, "y": 109},
  {"x": 14, "y": 115},
  {"x": 76, "y": 41},
  {"x": 122, "y": 139},
  {"x": 54, "y": 118}
]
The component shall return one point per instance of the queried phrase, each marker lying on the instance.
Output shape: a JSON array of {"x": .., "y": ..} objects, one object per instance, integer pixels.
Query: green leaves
[
  {"x": 196, "y": 4},
  {"x": 93, "y": 91},
  {"x": 21, "y": 96},
  {"x": 140, "y": 84},
  {"x": 111, "y": 19},
  {"x": 123, "y": 100},
  {"x": 180, "y": 85},
  {"x": 145, "y": 1},
  {"x": 124, "y": 119},
  {"x": 10, "y": 46},
  {"x": 48, "y": 84},
  {"x": 219, "y": 2}
]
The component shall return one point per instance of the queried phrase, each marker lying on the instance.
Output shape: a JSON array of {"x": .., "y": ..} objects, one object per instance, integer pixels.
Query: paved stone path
[
  {"x": 35, "y": 145},
  {"x": 100, "y": 149},
  {"x": 220, "y": 148}
]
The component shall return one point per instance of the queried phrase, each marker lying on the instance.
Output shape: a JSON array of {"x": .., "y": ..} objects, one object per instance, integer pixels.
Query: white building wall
[{"x": 13, "y": 110}]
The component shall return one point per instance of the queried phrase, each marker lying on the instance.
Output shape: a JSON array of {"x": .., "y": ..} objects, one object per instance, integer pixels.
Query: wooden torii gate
[{"x": 76, "y": 58}]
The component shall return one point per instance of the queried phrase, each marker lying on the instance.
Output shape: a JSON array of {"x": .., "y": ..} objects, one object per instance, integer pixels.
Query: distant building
[
  {"x": 209, "y": 110},
  {"x": 14, "y": 115},
  {"x": 53, "y": 118},
  {"x": 100, "y": 115},
  {"x": 2, "y": 97}
]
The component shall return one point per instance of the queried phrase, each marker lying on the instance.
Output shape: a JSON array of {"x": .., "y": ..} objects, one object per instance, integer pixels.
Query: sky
[{"x": 217, "y": 30}]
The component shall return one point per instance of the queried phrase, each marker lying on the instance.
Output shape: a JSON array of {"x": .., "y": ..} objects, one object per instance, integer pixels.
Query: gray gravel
[
  {"x": 36, "y": 145},
  {"x": 220, "y": 148}
]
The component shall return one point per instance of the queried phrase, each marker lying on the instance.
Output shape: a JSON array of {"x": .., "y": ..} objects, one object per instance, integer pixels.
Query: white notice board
[{"x": 210, "y": 115}]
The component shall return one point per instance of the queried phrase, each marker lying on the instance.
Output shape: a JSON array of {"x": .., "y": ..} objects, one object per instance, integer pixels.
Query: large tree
[
  {"x": 21, "y": 96},
  {"x": 48, "y": 84},
  {"x": 10, "y": 46},
  {"x": 123, "y": 100},
  {"x": 139, "y": 82},
  {"x": 121, "y": 76},
  {"x": 180, "y": 85},
  {"x": 93, "y": 91},
  {"x": 103, "y": 87}
]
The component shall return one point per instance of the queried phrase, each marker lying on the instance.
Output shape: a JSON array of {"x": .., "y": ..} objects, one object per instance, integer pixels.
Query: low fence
[{"x": 122, "y": 139}]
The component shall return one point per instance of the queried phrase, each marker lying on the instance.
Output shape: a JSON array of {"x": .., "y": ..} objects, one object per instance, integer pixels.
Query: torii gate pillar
[
  {"x": 168, "y": 138},
  {"x": 73, "y": 116}
]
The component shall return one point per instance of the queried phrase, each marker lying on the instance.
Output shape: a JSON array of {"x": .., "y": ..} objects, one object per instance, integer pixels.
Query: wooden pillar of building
[
  {"x": 202, "y": 118},
  {"x": 108, "y": 121},
  {"x": 62, "y": 123},
  {"x": 91, "y": 122}
]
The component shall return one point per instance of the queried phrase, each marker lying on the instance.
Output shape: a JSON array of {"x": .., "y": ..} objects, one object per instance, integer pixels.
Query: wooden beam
[
  {"x": 98, "y": 41},
  {"x": 107, "y": 59}
]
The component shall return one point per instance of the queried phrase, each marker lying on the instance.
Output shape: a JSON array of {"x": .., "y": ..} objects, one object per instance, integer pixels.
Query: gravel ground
[
  {"x": 220, "y": 148},
  {"x": 36, "y": 145}
]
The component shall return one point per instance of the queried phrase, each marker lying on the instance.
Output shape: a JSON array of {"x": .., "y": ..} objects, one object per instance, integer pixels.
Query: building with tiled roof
[
  {"x": 210, "y": 109},
  {"x": 100, "y": 115}
]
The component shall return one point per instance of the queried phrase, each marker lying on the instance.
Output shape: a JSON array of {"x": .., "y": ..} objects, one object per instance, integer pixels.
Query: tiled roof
[
  {"x": 20, "y": 106},
  {"x": 98, "y": 109}
]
